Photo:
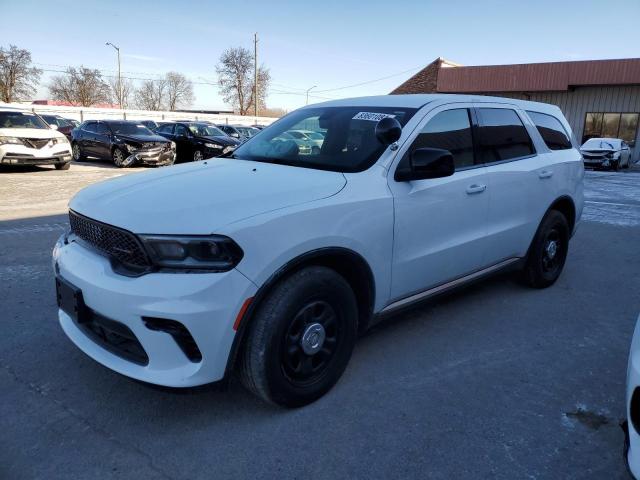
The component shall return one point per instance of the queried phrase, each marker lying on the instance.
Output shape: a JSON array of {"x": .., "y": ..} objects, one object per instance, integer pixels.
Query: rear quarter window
[{"x": 551, "y": 131}]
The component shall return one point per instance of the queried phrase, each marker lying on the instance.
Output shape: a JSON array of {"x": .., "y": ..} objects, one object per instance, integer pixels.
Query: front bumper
[
  {"x": 633, "y": 385},
  {"x": 19, "y": 155},
  {"x": 155, "y": 157},
  {"x": 205, "y": 303}
]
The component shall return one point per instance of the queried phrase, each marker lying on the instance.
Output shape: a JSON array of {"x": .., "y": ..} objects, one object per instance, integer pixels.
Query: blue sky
[{"x": 331, "y": 44}]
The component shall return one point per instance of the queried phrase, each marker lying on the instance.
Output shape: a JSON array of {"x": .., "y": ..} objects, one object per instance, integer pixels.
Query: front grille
[
  {"x": 114, "y": 242},
  {"x": 36, "y": 142}
]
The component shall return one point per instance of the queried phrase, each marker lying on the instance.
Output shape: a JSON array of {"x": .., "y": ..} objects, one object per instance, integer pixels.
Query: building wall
[{"x": 577, "y": 102}]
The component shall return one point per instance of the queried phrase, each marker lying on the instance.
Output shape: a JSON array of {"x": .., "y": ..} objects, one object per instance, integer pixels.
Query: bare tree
[
  {"x": 179, "y": 91},
  {"x": 236, "y": 78},
  {"x": 128, "y": 91},
  {"x": 82, "y": 86},
  {"x": 151, "y": 95},
  {"x": 18, "y": 79}
]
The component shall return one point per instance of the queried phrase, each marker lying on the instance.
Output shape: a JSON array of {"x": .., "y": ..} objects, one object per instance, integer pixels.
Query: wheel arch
[
  {"x": 347, "y": 263},
  {"x": 565, "y": 205}
]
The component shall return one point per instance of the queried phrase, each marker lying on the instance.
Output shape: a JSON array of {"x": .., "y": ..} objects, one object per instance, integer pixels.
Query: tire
[
  {"x": 315, "y": 150},
  {"x": 614, "y": 166},
  {"x": 276, "y": 364},
  {"x": 118, "y": 157},
  {"x": 76, "y": 152},
  {"x": 63, "y": 166},
  {"x": 197, "y": 155},
  {"x": 545, "y": 261}
]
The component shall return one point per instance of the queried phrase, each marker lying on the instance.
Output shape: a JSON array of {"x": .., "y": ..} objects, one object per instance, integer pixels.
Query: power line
[{"x": 369, "y": 81}]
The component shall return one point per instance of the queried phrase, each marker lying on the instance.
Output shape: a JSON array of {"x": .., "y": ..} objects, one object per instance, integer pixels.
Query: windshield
[
  {"x": 600, "y": 143},
  {"x": 349, "y": 143},
  {"x": 314, "y": 135},
  {"x": 126, "y": 128},
  {"x": 21, "y": 120},
  {"x": 205, "y": 130}
]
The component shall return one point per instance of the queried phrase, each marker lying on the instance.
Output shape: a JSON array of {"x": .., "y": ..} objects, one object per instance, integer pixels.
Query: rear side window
[
  {"x": 90, "y": 127},
  {"x": 166, "y": 128},
  {"x": 103, "y": 129},
  {"x": 502, "y": 135},
  {"x": 449, "y": 130},
  {"x": 551, "y": 130}
]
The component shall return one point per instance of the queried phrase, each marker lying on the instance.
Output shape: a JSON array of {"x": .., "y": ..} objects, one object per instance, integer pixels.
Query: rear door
[
  {"x": 522, "y": 176},
  {"x": 440, "y": 224}
]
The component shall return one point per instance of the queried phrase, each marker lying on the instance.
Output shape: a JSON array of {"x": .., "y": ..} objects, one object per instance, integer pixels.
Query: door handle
[
  {"x": 475, "y": 188},
  {"x": 545, "y": 174}
]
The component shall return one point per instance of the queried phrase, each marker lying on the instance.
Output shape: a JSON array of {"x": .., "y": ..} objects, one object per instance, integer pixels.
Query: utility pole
[
  {"x": 119, "y": 75},
  {"x": 308, "y": 90},
  {"x": 255, "y": 76}
]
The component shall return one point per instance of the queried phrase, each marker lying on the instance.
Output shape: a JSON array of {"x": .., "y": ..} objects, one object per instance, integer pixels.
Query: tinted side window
[
  {"x": 449, "y": 130},
  {"x": 502, "y": 135},
  {"x": 90, "y": 127},
  {"x": 103, "y": 129},
  {"x": 181, "y": 130},
  {"x": 166, "y": 128},
  {"x": 551, "y": 130}
]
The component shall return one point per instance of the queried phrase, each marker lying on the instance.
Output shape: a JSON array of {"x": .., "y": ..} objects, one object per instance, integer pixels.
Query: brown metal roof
[{"x": 531, "y": 77}]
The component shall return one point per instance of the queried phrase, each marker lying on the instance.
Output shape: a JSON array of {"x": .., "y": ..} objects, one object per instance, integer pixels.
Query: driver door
[{"x": 440, "y": 224}]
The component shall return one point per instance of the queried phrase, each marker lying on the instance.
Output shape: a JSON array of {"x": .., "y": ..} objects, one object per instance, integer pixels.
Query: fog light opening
[{"x": 180, "y": 335}]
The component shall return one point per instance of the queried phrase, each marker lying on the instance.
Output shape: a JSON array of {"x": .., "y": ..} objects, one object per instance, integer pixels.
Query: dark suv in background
[
  {"x": 198, "y": 140},
  {"x": 124, "y": 142},
  {"x": 63, "y": 125}
]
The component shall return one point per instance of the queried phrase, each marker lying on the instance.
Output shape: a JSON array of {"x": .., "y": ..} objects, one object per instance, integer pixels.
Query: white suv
[
  {"x": 26, "y": 139},
  {"x": 272, "y": 262}
]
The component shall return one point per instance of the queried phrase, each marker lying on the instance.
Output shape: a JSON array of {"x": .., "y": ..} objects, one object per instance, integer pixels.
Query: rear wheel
[
  {"x": 301, "y": 338},
  {"x": 63, "y": 166},
  {"x": 548, "y": 251}
]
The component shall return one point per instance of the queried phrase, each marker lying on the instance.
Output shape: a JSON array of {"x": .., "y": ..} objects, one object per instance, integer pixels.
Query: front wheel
[
  {"x": 301, "y": 338},
  {"x": 548, "y": 251},
  {"x": 197, "y": 156},
  {"x": 63, "y": 166},
  {"x": 76, "y": 152},
  {"x": 118, "y": 157}
]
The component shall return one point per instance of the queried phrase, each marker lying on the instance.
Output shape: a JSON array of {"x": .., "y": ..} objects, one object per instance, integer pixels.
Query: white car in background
[
  {"x": 632, "y": 426},
  {"x": 272, "y": 262},
  {"x": 608, "y": 153},
  {"x": 314, "y": 139},
  {"x": 26, "y": 139}
]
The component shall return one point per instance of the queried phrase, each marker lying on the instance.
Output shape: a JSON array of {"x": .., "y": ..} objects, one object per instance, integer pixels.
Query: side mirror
[
  {"x": 53, "y": 126},
  {"x": 388, "y": 130},
  {"x": 424, "y": 163},
  {"x": 235, "y": 135}
]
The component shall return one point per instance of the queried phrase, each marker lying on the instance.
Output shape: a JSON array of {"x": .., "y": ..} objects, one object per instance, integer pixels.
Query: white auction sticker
[{"x": 372, "y": 116}]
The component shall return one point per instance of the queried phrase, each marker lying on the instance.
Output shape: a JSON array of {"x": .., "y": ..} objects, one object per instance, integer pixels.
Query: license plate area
[{"x": 70, "y": 300}]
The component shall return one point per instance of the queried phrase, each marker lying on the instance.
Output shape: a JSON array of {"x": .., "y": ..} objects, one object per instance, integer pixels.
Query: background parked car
[
  {"x": 26, "y": 139},
  {"x": 304, "y": 147},
  {"x": 150, "y": 124},
  {"x": 609, "y": 153},
  {"x": 62, "y": 124},
  {"x": 248, "y": 132},
  {"x": 123, "y": 142},
  {"x": 233, "y": 132},
  {"x": 198, "y": 140},
  {"x": 314, "y": 139}
]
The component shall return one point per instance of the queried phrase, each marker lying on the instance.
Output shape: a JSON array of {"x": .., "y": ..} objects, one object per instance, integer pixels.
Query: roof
[
  {"x": 420, "y": 100},
  {"x": 445, "y": 77}
]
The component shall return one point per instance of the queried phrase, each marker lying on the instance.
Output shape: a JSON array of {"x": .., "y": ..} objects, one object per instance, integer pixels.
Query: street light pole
[
  {"x": 119, "y": 75},
  {"x": 255, "y": 76},
  {"x": 308, "y": 90}
]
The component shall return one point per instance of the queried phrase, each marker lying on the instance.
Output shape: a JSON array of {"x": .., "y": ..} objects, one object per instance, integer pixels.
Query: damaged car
[
  {"x": 197, "y": 141},
  {"x": 610, "y": 153},
  {"x": 126, "y": 143}
]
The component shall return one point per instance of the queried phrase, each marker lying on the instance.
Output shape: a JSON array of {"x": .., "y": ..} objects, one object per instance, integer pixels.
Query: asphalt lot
[{"x": 495, "y": 381}]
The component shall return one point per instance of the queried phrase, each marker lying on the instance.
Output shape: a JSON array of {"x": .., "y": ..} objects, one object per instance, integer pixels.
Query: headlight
[
  {"x": 213, "y": 145},
  {"x": 61, "y": 140},
  {"x": 228, "y": 149},
  {"x": 130, "y": 148},
  {"x": 173, "y": 145},
  {"x": 10, "y": 140},
  {"x": 212, "y": 252}
]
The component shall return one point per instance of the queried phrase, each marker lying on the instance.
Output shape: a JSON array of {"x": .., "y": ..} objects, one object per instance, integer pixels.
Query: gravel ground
[{"x": 495, "y": 381}]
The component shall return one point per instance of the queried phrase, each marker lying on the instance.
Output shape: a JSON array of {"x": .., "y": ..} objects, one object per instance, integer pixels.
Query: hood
[
  {"x": 200, "y": 197},
  {"x": 141, "y": 138},
  {"x": 220, "y": 140},
  {"x": 598, "y": 150},
  {"x": 31, "y": 132}
]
